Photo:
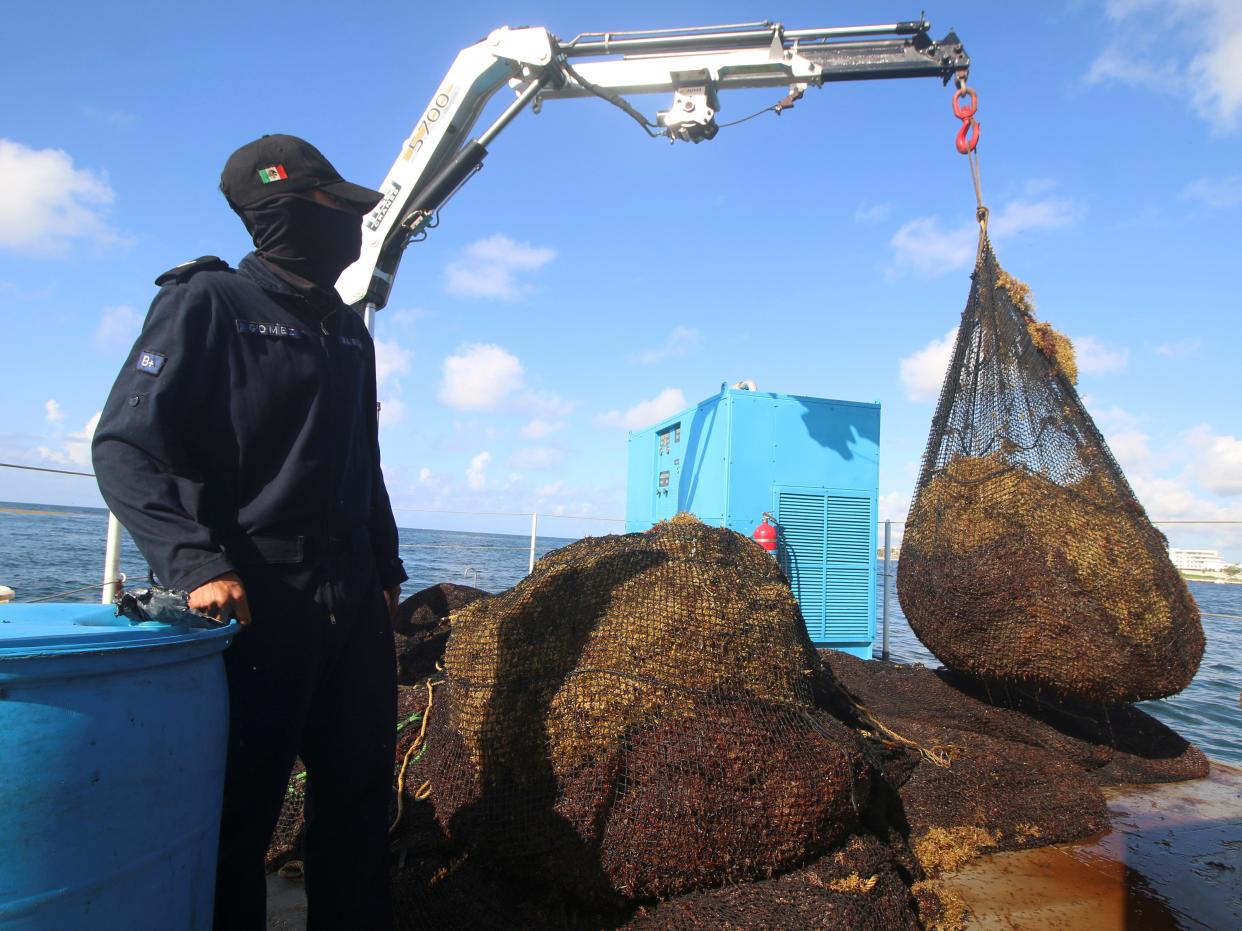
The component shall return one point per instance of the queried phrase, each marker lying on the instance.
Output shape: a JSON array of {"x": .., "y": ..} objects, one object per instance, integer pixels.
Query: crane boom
[{"x": 695, "y": 65}]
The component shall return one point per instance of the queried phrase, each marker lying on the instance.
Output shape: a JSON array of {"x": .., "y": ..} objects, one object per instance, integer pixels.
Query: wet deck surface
[
  {"x": 1173, "y": 860},
  {"x": 286, "y": 904}
]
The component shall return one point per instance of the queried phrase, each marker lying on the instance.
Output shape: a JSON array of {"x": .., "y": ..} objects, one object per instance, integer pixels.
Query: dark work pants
[{"x": 313, "y": 676}]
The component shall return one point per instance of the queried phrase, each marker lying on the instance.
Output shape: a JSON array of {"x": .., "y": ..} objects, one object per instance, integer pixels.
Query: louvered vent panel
[
  {"x": 849, "y": 530},
  {"x": 848, "y": 608},
  {"x": 847, "y": 612},
  {"x": 802, "y": 521}
]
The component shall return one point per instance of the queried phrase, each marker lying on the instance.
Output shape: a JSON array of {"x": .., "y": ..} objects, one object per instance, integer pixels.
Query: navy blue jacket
[{"x": 243, "y": 411}]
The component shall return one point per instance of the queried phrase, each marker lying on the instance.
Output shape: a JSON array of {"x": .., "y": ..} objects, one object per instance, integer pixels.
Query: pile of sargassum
[{"x": 640, "y": 734}]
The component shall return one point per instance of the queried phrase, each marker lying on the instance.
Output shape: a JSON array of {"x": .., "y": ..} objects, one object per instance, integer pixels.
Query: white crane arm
[{"x": 695, "y": 65}]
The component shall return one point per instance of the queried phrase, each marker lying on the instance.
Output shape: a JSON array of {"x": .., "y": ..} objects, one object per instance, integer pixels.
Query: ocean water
[{"x": 47, "y": 550}]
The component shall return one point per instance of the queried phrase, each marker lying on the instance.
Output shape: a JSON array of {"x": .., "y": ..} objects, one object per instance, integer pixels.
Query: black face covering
[{"x": 304, "y": 239}]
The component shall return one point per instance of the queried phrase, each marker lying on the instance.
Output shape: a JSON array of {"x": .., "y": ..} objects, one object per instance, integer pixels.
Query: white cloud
[
  {"x": 1165, "y": 498},
  {"x": 872, "y": 213},
  {"x": 481, "y": 376},
  {"x": 1094, "y": 357},
  {"x": 391, "y": 411},
  {"x": 77, "y": 446},
  {"x": 1217, "y": 193},
  {"x": 927, "y": 248},
  {"x": 476, "y": 475},
  {"x": 537, "y": 457},
  {"x": 1218, "y": 464},
  {"x": 894, "y": 506},
  {"x": 490, "y": 268},
  {"x": 469, "y": 432},
  {"x": 1132, "y": 450},
  {"x": 391, "y": 360},
  {"x": 538, "y": 429},
  {"x": 922, "y": 373},
  {"x": 1113, "y": 419},
  {"x": 48, "y": 454},
  {"x": 424, "y": 475},
  {"x": 1020, "y": 216},
  {"x": 405, "y": 316},
  {"x": 45, "y": 202},
  {"x": 1190, "y": 49},
  {"x": 117, "y": 329},
  {"x": 53, "y": 412},
  {"x": 1181, "y": 479},
  {"x": 1182, "y": 347},
  {"x": 645, "y": 413},
  {"x": 550, "y": 491},
  {"x": 677, "y": 344},
  {"x": 544, "y": 404}
]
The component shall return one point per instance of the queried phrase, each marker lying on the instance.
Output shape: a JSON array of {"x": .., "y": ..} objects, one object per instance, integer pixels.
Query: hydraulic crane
[{"x": 695, "y": 65}]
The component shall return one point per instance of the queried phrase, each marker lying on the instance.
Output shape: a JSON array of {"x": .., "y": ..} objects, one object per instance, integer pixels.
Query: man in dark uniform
[{"x": 240, "y": 448}]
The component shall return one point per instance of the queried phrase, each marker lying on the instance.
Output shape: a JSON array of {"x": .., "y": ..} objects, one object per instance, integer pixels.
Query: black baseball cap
[{"x": 279, "y": 164}]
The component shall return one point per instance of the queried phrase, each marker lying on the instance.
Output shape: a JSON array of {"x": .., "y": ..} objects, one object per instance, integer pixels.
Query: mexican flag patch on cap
[{"x": 275, "y": 173}]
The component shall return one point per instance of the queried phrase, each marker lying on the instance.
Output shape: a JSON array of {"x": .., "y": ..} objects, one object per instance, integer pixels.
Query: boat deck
[{"x": 1173, "y": 860}]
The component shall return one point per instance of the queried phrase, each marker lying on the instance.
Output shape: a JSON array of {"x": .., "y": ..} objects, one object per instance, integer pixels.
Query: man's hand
[
  {"x": 222, "y": 598},
  {"x": 392, "y": 598}
]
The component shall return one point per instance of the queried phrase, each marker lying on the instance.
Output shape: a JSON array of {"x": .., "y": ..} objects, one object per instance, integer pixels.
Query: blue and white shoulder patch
[{"x": 150, "y": 361}]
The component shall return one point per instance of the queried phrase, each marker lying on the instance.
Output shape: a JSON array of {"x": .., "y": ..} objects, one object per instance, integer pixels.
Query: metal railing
[{"x": 113, "y": 577}]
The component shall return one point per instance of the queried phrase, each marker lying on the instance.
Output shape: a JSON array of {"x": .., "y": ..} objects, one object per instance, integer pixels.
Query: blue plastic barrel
[{"x": 112, "y": 748}]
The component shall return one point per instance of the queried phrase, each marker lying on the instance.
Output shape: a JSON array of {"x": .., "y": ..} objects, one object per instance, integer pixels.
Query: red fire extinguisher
[{"x": 765, "y": 534}]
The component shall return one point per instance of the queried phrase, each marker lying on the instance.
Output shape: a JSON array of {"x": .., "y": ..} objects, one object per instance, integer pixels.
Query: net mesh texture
[
  {"x": 1027, "y": 557},
  {"x": 658, "y": 823},
  {"x": 637, "y": 718},
  {"x": 641, "y": 735}
]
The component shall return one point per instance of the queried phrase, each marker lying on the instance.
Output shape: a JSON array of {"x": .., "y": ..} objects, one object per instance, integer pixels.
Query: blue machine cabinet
[{"x": 812, "y": 463}]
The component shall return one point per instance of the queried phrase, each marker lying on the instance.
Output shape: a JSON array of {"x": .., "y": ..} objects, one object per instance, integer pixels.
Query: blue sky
[{"x": 591, "y": 279}]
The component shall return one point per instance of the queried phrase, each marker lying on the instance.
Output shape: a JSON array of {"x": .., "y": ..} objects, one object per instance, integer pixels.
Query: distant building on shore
[{"x": 1196, "y": 560}]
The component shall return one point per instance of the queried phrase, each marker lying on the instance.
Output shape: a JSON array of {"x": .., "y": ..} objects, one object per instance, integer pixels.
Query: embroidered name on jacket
[
  {"x": 269, "y": 329},
  {"x": 352, "y": 342}
]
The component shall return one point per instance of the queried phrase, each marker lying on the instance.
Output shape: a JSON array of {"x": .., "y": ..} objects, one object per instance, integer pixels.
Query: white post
[
  {"x": 534, "y": 535},
  {"x": 112, "y": 559},
  {"x": 888, "y": 529},
  {"x": 368, "y": 317}
]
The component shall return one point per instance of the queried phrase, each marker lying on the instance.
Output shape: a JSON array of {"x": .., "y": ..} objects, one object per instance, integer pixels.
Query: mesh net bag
[
  {"x": 637, "y": 719},
  {"x": 1021, "y": 772},
  {"x": 864, "y": 884},
  {"x": 1027, "y": 557},
  {"x": 290, "y": 832},
  {"x": 421, "y": 627}
]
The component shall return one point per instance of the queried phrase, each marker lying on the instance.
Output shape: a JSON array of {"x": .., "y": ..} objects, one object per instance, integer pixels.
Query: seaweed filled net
[
  {"x": 637, "y": 718},
  {"x": 1027, "y": 557},
  {"x": 579, "y": 804}
]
